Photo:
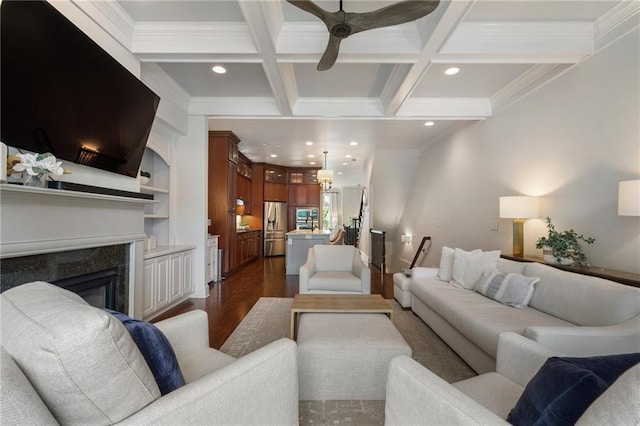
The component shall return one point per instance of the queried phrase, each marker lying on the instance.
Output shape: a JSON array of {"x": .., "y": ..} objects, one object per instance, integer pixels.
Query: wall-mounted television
[{"x": 62, "y": 93}]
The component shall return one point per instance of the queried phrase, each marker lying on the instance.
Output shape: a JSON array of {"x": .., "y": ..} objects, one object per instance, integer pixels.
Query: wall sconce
[
  {"x": 518, "y": 208},
  {"x": 406, "y": 239},
  {"x": 629, "y": 198}
]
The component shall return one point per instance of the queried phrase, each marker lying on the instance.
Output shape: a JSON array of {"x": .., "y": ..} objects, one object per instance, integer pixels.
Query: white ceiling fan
[{"x": 342, "y": 24}]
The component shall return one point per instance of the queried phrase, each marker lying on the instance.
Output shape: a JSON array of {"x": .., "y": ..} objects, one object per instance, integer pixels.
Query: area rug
[{"x": 269, "y": 320}]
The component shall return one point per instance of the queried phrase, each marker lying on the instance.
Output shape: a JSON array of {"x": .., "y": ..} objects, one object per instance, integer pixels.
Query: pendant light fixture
[{"x": 325, "y": 176}]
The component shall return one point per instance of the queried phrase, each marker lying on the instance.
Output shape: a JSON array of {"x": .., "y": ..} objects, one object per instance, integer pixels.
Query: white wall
[
  {"x": 570, "y": 142},
  {"x": 190, "y": 223}
]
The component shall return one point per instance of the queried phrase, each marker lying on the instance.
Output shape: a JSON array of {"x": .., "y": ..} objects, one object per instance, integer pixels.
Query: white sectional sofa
[{"x": 574, "y": 314}]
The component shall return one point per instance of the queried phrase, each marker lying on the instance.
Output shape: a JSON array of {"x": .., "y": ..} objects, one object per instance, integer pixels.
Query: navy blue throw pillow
[
  {"x": 157, "y": 351},
  {"x": 563, "y": 388}
]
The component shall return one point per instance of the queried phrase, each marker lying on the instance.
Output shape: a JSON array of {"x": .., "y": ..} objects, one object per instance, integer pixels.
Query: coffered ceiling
[{"x": 386, "y": 83}]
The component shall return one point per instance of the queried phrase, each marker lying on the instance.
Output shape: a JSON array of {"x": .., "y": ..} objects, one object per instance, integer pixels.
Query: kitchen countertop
[
  {"x": 242, "y": 231},
  {"x": 307, "y": 232}
]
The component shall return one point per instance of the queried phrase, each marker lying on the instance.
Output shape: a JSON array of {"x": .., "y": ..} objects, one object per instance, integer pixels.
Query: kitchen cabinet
[
  {"x": 304, "y": 195},
  {"x": 167, "y": 278},
  {"x": 275, "y": 192},
  {"x": 244, "y": 186},
  {"x": 275, "y": 174},
  {"x": 247, "y": 247},
  {"x": 223, "y": 192}
]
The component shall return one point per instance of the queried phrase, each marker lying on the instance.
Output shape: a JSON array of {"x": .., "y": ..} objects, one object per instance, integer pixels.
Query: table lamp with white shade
[
  {"x": 629, "y": 198},
  {"x": 518, "y": 208}
]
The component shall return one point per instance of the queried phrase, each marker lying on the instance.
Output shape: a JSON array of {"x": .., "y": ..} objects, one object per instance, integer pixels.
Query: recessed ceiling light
[
  {"x": 452, "y": 71},
  {"x": 339, "y": 173},
  {"x": 312, "y": 162},
  {"x": 353, "y": 143},
  {"x": 274, "y": 156},
  {"x": 308, "y": 143},
  {"x": 311, "y": 156},
  {"x": 218, "y": 69},
  {"x": 345, "y": 164},
  {"x": 429, "y": 123},
  {"x": 347, "y": 156}
]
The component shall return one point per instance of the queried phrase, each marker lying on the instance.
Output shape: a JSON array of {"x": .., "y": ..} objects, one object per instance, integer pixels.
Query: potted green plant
[
  {"x": 563, "y": 248},
  {"x": 144, "y": 177}
]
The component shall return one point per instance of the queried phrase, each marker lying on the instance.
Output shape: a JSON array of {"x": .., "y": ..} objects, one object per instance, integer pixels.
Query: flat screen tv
[{"x": 62, "y": 93}]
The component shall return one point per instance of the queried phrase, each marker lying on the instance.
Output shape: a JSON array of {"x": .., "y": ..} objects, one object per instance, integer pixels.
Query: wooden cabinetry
[
  {"x": 247, "y": 247},
  {"x": 275, "y": 174},
  {"x": 244, "y": 187},
  {"x": 275, "y": 192},
  {"x": 304, "y": 195},
  {"x": 223, "y": 175},
  {"x": 167, "y": 279}
]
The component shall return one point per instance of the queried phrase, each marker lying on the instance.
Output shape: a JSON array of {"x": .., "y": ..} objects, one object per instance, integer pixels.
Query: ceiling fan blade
[
  {"x": 328, "y": 18},
  {"x": 330, "y": 54},
  {"x": 398, "y": 13}
]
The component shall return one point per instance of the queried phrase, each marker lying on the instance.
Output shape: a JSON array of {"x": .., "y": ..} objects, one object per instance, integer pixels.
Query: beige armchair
[
  {"x": 65, "y": 362},
  {"x": 334, "y": 269},
  {"x": 416, "y": 396}
]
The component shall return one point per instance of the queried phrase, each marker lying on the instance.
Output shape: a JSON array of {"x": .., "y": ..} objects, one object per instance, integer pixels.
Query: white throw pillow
[
  {"x": 81, "y": 360},
  {"x": 446, "y": 263},
  {"x": 508, "y": 288},
  {"x": 468, "y": 267}
]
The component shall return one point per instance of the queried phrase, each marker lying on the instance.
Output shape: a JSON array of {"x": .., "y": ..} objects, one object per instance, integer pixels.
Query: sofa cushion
[
  {"x": 479, "y": 319},
  {"x": 511, "y": 266},
  {"x": 335, "y": 281},
  {"x": 468, "y": 267},
  {"x": 563, "y": 388},
  {"x": 81, "y": 360},
  {"x": 511, "y": 289},
  {"x": 581, "y": 299},
  {"x": 333, "y": 258},
  {"x": 157, "y": 351}
]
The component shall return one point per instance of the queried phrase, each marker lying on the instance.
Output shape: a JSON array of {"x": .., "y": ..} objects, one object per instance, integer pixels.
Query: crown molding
[
  {"x": 615, "y": 17},
  {"x": 447, "y": 108},
  {"x": 192, "y": 37},
  {"x": 227, "y": 106},
  {"x": 342, "y": 107},
  {"x": 521, "y": 38},
  {"x": 312, "y": 37},
  {"x": 528, "y": 81},
  {"x": 111, "y": 17}
]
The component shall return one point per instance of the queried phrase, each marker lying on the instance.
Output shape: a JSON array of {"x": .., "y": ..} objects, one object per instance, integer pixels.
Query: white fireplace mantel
[{"x": 42, "y": 220}]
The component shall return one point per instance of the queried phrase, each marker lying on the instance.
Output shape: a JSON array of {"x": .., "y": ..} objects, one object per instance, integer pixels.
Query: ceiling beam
[{"x": 254, "y": 15}]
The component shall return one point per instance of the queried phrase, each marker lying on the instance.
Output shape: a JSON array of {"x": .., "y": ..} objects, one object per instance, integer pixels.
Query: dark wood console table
[{"x": 625, "y": 278}]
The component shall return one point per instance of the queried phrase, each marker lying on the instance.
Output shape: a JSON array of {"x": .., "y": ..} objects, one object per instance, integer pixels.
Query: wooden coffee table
[{"x": 337, "y": 303}]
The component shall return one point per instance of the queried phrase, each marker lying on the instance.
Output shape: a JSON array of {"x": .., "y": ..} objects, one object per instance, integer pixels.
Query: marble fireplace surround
[{"x": 42, "y": 220}]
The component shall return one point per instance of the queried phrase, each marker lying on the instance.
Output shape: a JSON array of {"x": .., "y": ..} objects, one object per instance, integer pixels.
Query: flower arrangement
[
  {"x": 565, "y": 246},
  {"x": 37, "y": 167}
]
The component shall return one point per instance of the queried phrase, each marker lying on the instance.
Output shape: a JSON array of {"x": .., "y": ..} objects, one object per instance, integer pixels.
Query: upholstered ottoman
[
  {"x": 346, "y": 356},
  {"x": 401, "y": 289}
]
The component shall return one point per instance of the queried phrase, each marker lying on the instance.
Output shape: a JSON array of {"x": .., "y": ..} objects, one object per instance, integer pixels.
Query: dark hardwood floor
[{"x": 231, "y": 299}]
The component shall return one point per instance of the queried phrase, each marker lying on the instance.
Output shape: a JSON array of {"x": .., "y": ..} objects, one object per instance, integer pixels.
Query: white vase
[{"x": 547, "y": 254}]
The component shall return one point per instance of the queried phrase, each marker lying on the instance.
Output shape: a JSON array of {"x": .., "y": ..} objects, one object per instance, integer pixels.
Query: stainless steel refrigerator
[{"x": 275, "y": 226}]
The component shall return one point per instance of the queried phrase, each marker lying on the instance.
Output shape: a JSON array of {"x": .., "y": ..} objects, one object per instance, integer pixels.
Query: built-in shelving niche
[{"x": 157, "y": 215}]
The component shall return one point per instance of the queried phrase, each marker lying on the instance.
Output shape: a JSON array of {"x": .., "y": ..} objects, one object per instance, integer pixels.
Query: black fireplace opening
[
  {"x": 98, "y": 289},
  {"x": 99, "y": 274}
]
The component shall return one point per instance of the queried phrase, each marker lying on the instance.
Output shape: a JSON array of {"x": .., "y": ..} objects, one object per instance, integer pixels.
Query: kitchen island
[{"x": 297, "y": 246}]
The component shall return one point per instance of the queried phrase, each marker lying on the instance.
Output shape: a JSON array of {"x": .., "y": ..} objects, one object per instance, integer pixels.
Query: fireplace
[
  {"x": 51, "y": 234},
  {"x": 99, "y": 289},
  {"x": 99, "y": 274}
]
